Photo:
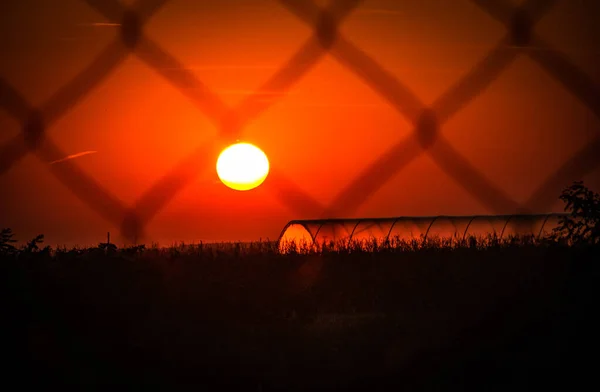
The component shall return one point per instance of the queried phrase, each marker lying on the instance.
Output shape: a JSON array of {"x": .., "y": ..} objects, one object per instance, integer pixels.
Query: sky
[{"x": 412, "y": 108}]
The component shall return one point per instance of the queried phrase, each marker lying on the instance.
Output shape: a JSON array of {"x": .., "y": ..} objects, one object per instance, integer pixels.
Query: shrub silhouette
[
  {"x": 32, "y": 246},
  {"x": 107, "y": 246},
  {"x": 582, "y": 225},
  {"x": 6, "y": 241}
]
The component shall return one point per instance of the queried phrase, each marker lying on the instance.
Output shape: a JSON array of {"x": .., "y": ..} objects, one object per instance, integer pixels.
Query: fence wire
[{"x": 427, "y": 121}]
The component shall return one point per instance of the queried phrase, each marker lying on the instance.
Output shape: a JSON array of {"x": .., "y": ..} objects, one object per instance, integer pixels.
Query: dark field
[{"x": 513, "y": 316}]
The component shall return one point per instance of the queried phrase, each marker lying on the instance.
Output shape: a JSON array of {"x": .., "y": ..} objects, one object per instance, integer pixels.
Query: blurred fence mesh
[{"x": 427, "y": 121}]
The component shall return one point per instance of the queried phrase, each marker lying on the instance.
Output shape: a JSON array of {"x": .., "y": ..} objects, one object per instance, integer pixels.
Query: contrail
[
  {"x": 378, "y": 11},
  {"x": 217, "y": 67},
  {"x": 100, "y": 24},
  {"x": 72, "y": 156},
  {"x": 252, "y": 92}
]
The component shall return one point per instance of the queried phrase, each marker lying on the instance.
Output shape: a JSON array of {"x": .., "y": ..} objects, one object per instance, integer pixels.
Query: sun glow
[{"x": 242, "y": 166}]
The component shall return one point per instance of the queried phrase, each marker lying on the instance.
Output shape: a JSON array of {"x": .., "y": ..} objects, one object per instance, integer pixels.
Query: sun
[{"x": 242, "y": 166}]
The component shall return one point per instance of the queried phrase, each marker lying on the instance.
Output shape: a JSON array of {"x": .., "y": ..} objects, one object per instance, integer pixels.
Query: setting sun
[{"x": 242, "y": 166}]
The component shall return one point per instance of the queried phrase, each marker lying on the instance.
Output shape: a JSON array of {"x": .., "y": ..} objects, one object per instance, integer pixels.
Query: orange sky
[{"x": 323, "y": 121}]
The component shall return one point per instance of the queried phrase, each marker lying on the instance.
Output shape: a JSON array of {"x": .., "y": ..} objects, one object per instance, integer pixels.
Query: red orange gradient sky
[{"x": 320, "y": 132}]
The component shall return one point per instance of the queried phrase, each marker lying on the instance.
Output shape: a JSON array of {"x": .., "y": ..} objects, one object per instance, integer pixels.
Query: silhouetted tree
[
  {"x": 582, "y": 225},
  {"x": 6, "y": 241},
  {"x": 32, "y": 245}
]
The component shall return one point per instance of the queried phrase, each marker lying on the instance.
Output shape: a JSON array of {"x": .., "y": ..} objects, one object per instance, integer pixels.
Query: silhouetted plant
[
  {"x": 32, "y": 246},
  {"x": 582, "y": 225},
  {"x": 133, "y": 250},
  {"x": 6, "y": 241},
  {"x": 107, "y": 247}
]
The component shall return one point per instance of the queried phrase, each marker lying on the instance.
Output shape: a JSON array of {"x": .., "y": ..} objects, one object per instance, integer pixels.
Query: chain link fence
[{"x": 427, "y": 121}]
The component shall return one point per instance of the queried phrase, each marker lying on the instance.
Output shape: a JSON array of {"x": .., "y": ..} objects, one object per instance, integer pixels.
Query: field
[{"x": 483, "y": 315}]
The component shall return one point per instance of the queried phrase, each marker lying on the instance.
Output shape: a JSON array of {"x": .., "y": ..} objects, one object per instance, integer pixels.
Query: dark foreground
[{"x": 497, "y": 319}]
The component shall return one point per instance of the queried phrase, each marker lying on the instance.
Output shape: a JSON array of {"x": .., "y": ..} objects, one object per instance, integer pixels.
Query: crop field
[{"x": 482, "y": 314}]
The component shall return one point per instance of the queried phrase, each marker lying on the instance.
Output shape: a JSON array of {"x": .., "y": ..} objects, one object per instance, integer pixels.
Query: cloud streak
[
  {"x": 100, "y": 24},
  {"x": 72, "y": 156},
  {"x": 217, "y": 67},
  {"x": 253, "y": 92},
  {"x": 378, "y": 11}
]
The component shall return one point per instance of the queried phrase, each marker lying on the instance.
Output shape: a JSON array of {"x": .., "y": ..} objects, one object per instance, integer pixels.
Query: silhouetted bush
[
  {"x": 107, "y": 247},
  {"x": 32, "y": 246},
  {"x": 7, "y": 247},
  {"x": 7, "y": 241},
  {"x": 582, "y": 225}
]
